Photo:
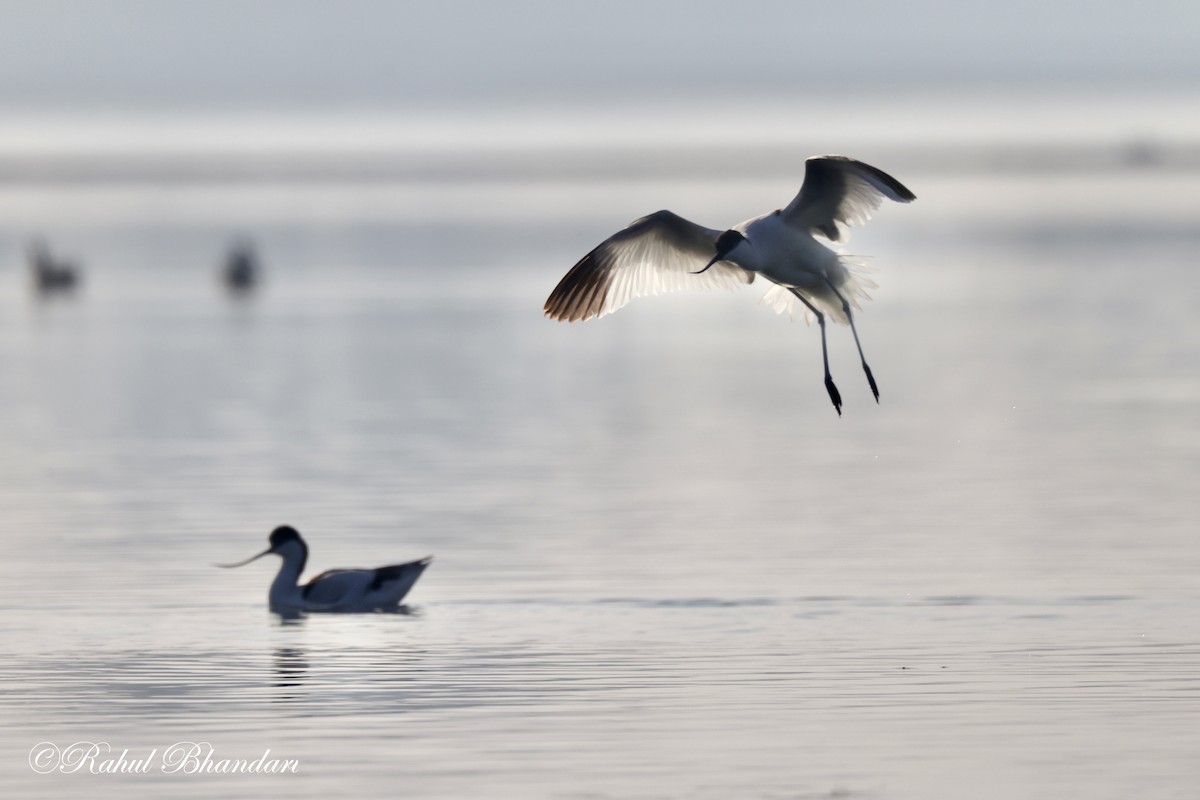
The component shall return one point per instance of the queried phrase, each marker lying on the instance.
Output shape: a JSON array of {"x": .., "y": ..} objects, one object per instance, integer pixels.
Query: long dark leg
[
  {"x": 850, "y": 317},
  {"x": 834, "y": 394}
]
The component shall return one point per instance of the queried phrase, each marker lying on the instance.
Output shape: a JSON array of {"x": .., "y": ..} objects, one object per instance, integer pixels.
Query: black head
[
  {"x": 726, "y": 242},
  {"x": 282, "y": 535}
]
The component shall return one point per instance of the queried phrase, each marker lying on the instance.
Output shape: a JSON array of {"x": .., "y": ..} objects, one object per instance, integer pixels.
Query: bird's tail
[{"x": 852, "y": 280}]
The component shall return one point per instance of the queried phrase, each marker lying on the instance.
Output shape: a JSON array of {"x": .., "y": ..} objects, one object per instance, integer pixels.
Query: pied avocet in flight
[{"x": 664, "y": 252}]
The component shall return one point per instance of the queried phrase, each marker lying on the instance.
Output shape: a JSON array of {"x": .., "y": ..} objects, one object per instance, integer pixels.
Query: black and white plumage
[
  {"x": 664, "y": 252},
  {"x": 336, "y": 589}
]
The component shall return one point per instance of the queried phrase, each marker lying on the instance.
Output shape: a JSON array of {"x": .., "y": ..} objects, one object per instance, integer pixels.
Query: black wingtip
[{"x": 899, "y": 192}]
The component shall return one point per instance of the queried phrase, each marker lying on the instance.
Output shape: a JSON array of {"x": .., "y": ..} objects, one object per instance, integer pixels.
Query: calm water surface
[{"x": 664, "y": 567}]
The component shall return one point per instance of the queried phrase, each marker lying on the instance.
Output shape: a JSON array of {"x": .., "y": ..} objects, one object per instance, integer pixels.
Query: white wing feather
[
  {"x": 661, "y": 252},
  {"x": 839, "y": 192},
  {"x": 854, "y": 283}
]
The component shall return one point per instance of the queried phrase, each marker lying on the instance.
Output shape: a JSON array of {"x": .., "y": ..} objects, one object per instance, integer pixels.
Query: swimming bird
[
  {"x": 50, "y": 274},
  {"x": 335, "y": 589},
  {"x": 664, "y": 252},
  {"x": 240, "y": 271}
]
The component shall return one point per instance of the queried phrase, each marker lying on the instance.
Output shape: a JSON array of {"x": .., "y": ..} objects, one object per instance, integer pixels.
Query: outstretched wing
[
  {"x": 838, "y": 192},
  {"x": 657, "y": 253}
]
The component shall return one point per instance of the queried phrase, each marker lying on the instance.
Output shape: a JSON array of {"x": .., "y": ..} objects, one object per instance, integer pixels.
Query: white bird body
[
  {"x": 336, "y": 589},
  {"x": 789, "y": 257},
  {"x": 665, "y": 252}
]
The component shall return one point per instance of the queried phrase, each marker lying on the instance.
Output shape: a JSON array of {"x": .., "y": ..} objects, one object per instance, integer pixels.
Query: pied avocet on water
[{"x": 336, "y": 589}]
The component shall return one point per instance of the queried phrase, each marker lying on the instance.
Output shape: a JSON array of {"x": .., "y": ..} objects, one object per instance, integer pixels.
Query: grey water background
[{"x": 663, "y": 566}]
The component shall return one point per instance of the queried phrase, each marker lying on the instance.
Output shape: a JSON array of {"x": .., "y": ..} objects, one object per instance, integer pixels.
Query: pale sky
[{"x": 366, "y": 54}]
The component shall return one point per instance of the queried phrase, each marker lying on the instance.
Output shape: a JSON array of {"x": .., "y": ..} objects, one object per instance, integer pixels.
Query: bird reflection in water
[{"x": 291, "y": 669}]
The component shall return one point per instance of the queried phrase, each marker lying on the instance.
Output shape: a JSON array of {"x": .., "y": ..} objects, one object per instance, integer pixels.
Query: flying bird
[{"x": 663, "y": 252}]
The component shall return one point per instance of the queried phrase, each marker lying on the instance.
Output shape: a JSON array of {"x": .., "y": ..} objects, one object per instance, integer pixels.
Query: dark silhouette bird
[
  {"x": 51, "y": 275},
  {"x": 336, "y": 589}
]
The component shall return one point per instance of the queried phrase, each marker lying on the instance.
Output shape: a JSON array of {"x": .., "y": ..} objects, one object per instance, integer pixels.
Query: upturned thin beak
[
  {"x": 715, "y": 259},
  {"x": 247, "y": 561}
]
